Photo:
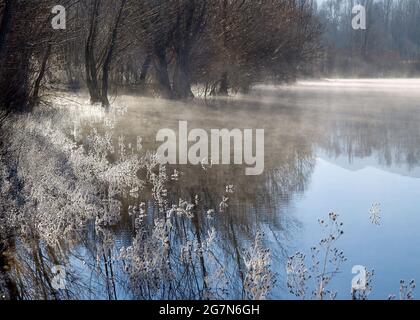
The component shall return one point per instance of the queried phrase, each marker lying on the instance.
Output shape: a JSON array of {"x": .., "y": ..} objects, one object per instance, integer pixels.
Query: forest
[
  {"x": 388, "y": 47},
  {"x": 164, "y": 48},
  {"x": 158, "y": 46}
]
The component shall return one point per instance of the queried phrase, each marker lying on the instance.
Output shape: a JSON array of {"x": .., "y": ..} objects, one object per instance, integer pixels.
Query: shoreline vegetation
[
  {"x": 92, "y": 180},
  {"x": 86, "y": 186},
  {"x": 75, "y": 192}
]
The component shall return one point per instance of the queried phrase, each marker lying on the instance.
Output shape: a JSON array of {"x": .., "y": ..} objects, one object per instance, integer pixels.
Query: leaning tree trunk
[
  {"x": 91, "y": 75},
  {"x": 40, "y": 77},
  {"x": 222, "y": 88},
  {"x": 140, "y": 80},
  {"x": 107, "y": 63},
  {"x": 161, "y": 67}
]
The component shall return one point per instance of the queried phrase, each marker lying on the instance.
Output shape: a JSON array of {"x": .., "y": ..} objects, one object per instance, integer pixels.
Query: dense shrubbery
[{"x": 67, "y": 178}]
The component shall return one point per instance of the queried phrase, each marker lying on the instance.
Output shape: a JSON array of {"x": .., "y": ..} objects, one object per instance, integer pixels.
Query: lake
[{"x": 344, "y": 146}]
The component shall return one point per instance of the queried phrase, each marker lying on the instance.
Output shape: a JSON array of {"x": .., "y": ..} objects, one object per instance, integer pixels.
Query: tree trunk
[
  {"x": 107, "y": 63},
  {"x": 181, "y": 83},
  {"x": 5, "y": 26},
  {"x": 40, "y": 77},
  {"x": 224, "y": 84},
  {"x": 221, "y": 87},
  {"x": 145, "y": 68},
  {"x": 90, "y": 62},
  {"x": 161, "y": 67}
]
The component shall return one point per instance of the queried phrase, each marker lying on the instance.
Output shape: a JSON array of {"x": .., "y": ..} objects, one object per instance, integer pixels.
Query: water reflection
[{"x": 348, "y": 124}]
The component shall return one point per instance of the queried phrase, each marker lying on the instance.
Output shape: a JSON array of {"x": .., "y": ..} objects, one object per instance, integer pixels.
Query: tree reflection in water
[{"x": 131, "y": 229}]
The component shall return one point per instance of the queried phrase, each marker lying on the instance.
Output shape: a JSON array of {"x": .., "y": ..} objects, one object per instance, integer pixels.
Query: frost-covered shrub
[
  {"x": 324, "y": 264},
  {"x": 363, "y": 292},
  {"x": 163, "y": 260},
  {"x": 54, "y": 185},
  {"x": 146, "y": 260},
  {"x": 66, "y": 177},
  {"x": 259, "y": 278},
  {"x": 406, "y": 290}
]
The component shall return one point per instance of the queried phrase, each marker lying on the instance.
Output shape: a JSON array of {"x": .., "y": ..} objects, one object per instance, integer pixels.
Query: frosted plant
[
  {"x": 375, "y": 214},
  {"x": 139, "y": 145},
  {"x": 67, "y": 174},
  {"x": 183, "y": 208},
  {"x": 326, "y": 259},
  {"x": 156, "y": 175},
  {"x": 154, "y": 263},
  {"x": 407, "y": 290},
  {"x": 196, "y": 200},
  {"x": 138, "y": 210},
  {"x": 186, "y": 252},
  {"x": 142, "y": 207},
  {"x": 216, "y": 282},
  {"x": 134, "y": 192},
  {"x": 224, "y": 204},
  {"x": 206, "y": 164},
  {"x": 99, "y": 146},
  {"x": 363, "y": 293},
  {"x": 213, "y": 292},
  {"x": 325, "y": 262},
  {"x": 175, "y": 175},
  {"x": 258, "y": 279},
  {"x": 229, "y": 188},
  {"x": 297, "y": 275},
  {"x": 210, "y": 214},
  {"x": 163, "y": 259},
  {"x": 63, "y": 184},
  {"x": 146, "y": 260}
]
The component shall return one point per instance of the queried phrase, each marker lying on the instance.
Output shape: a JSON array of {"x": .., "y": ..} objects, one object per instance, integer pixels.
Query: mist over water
[
  {"x": 333, "y": 145},
  {"x": 323, "y": 95},
  {"x": 330, "y": 146}
]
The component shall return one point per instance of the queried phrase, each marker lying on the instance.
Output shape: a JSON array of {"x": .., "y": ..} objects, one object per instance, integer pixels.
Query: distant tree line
[
  {"x": 164, "y": 47},
  {"x": 390, "y": 45}
]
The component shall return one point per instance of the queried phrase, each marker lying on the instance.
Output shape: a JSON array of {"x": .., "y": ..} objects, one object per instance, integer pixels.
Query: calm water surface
[{"x": 333, "y": 145}]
